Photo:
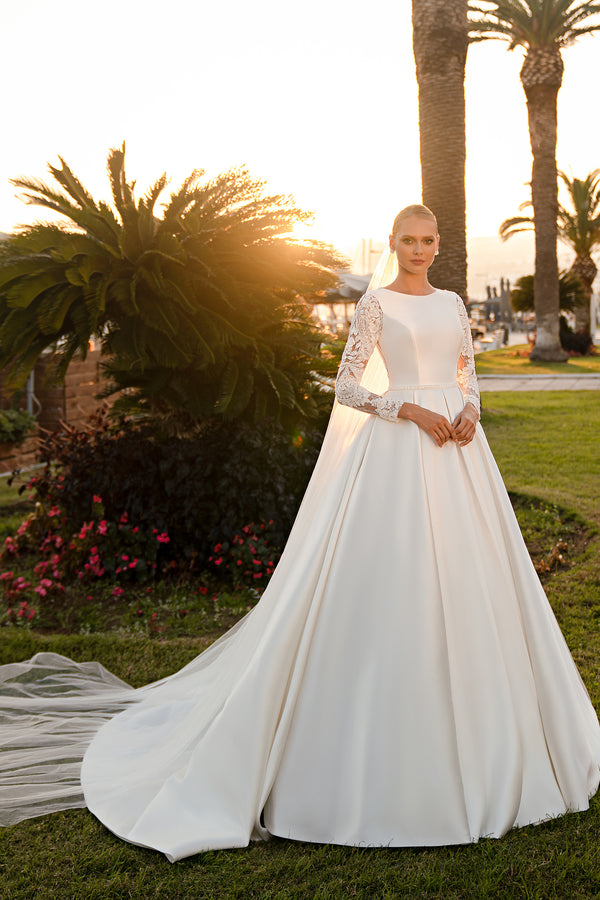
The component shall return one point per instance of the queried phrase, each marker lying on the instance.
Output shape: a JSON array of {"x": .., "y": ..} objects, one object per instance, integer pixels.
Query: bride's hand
[
  {"x": 464, "y": 424},
  {"x": 437, "y": 426}
]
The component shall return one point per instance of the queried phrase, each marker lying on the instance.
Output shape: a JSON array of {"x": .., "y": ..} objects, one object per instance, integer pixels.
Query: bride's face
[{"x": 415, "y": 244}]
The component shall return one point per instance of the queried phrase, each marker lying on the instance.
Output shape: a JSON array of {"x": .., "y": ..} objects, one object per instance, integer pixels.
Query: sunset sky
[{"x": 319, "y": 98}]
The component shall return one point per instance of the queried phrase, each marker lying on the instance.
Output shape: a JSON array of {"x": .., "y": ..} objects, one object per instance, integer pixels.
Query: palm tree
[
  {"x": 199, "y": 311},
  {"x": 579, "y": 228},
  {"x": 440, "y": 43},
  {"x": 542, "y": 28}
]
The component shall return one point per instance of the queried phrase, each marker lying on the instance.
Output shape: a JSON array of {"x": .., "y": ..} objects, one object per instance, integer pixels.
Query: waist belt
[{"x": 423, "y": 387}]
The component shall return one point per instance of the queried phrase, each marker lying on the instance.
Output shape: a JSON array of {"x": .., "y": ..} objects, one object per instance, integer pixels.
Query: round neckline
[{"x": 403, "y": 294}]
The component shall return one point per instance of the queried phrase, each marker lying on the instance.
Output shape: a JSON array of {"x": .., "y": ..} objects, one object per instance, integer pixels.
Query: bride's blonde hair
[{"x": 415, "y": 209}]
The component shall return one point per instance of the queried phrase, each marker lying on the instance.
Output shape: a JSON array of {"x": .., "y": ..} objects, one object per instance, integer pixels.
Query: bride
[{"x": 402, "y": 681}]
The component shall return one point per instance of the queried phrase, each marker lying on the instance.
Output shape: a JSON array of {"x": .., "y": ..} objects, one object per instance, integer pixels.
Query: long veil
[{"x": 52, "y": 709}]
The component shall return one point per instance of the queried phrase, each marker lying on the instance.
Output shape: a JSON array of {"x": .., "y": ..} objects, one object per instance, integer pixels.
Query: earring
[{"x": 437, "y": 253}]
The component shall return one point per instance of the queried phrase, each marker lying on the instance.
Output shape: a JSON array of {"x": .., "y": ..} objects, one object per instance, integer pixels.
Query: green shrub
[
  {"x": 15, "y": 425},
  {"x": 111, "y": 492}
]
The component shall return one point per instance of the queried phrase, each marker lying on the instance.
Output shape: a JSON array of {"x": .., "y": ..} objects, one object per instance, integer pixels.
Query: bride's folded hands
[
  {"x": 437, "y": 426},
  {"x": 464, "y": 424}
]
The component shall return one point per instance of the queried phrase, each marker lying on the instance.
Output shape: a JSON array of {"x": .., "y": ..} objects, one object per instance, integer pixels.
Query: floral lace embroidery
[
  {"x": 363, "y": 336},
  {"x": 465, "y": 370}
]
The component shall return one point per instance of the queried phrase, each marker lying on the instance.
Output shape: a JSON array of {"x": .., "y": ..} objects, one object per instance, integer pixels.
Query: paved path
[{"x": 539, "y": 382}]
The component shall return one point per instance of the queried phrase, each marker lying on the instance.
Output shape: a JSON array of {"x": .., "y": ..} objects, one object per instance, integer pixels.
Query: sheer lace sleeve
[
  {"x": 465, "y": 370},
  {"x": 362, "y": 340}
]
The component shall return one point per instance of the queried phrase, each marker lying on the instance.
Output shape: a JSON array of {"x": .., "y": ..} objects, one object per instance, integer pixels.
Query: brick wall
[
  {"x": 19, "y": 456},
  {"x": 71, "y": 403}
]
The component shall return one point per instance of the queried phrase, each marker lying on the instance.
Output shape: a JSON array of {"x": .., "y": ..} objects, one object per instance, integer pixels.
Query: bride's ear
[{"x": 392, "y": 243}]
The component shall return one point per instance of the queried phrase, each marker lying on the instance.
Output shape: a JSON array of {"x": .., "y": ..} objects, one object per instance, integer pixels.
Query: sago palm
[
  {"x": 578, "y": 228},
  {"x": 200, "y": 310},
  {"x": 542, "y": 28}
]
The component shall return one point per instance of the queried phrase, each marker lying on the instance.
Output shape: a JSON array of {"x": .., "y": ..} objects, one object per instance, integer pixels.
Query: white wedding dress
[{"x": 402, "y": 681}]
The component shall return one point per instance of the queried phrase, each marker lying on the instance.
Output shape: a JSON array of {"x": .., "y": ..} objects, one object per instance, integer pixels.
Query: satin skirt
[{"x": 402, "y": 682}]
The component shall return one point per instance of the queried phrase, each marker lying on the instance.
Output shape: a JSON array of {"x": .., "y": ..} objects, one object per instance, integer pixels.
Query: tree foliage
[
  {"x": 579, "y": 226},
  {"x": 532, "y": 23},
  {"x": 571, "y": 293},
  {"x": 200, "y": 310}
]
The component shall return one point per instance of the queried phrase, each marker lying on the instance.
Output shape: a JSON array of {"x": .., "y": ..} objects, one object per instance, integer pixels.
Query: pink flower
[
  {"x": 102, "y": 527},
  {"x": 218, "y": 548},
  {"x": 97, "y": 498},
  {"x": 117, "y": 592},
  {"x": 163, "y": 538},
  {"x": 218, "y": 561},
  {"x": 257, "y": 575},
  {"x": 133, "y": 563},
  {"x": 203, "y": 590}
]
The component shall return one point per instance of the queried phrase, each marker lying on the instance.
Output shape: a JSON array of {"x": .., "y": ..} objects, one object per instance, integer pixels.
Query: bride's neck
[{"x": 407, "y": 283}]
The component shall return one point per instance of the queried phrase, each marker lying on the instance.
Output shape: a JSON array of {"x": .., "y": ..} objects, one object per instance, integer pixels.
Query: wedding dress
[{"x": 402, "y": 681}]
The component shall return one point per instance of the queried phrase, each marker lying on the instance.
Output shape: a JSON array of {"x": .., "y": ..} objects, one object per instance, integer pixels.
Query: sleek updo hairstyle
[{"x": 415, "y": 209}]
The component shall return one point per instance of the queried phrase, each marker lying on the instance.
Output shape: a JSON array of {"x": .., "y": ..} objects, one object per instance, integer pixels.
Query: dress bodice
[
  {"x": 425, "y": 340},
  {"x": 420, "y": 338}
]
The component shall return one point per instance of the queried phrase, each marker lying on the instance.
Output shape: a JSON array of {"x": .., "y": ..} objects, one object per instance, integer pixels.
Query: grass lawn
[
  {"x": 546, "y": 445},
  {"x": 507, "y": 361}
]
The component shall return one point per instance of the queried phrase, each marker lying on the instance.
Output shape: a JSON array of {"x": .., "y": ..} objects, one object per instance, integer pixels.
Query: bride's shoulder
[{"x": 370, "y": 297}]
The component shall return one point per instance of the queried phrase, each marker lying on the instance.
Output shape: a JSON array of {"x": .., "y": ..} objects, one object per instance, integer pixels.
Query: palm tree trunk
[
  {"x": 440, "y": 42},
  {"x": 541, "y": 76},
  {"x": 586, "y": 270}
]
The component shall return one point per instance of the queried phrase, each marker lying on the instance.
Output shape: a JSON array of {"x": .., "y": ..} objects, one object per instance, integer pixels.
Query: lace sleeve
[
  {"x": 465, "y": 369},
  {"x": 362, "y": 340}
]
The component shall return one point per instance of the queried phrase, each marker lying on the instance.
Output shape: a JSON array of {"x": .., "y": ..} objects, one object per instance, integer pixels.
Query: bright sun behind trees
[{"x": 200, "y": 310}]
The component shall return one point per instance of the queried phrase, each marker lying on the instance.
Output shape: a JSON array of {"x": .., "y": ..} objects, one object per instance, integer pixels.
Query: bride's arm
[
  {"x": 464, "y": 424},
  {"x": 363, "y": 336}
]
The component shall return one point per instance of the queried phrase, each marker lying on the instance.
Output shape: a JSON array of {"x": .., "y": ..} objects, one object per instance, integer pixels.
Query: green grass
[
  {"x": 547, "y": 445},
  {"x": 547, "y": 448},
  {"x": 507, "y": 361}
]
